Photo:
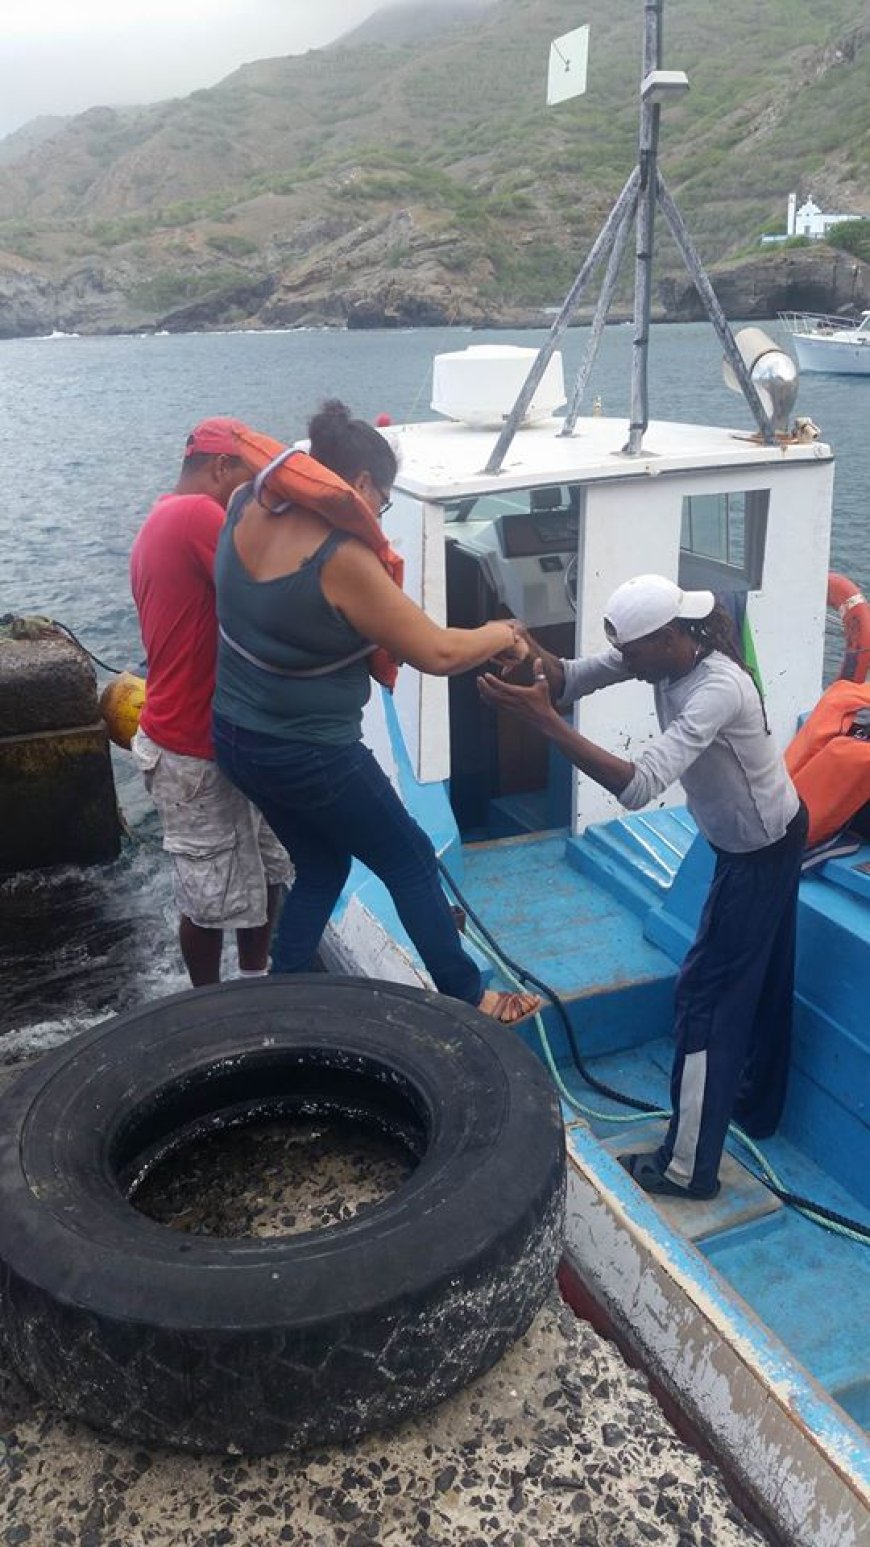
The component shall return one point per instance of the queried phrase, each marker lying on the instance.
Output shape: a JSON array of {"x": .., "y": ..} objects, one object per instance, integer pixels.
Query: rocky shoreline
[{"x": 94, "y": 297}]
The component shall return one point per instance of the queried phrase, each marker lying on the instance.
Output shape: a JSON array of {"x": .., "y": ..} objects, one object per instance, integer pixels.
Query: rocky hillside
[
  {"x": 397, "y": 178},
  {"x": 18, "y": 144}
]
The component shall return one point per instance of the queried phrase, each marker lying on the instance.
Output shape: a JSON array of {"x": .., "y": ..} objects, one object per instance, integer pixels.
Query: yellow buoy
[{"x": 121, "y": 703}]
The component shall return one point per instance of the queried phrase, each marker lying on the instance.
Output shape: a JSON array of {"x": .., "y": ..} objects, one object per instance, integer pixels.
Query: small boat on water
[
  {"x": 750, "y": 1312},
  {"x": 825, "y": 343}
]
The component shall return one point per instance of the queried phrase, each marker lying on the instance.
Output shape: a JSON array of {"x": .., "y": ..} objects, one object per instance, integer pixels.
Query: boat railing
[{"x": 822, "y": 323}]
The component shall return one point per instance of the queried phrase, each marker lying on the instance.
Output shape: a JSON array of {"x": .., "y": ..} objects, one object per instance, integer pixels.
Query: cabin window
[
  {"x": 527, "y": 520},
  {"x": 722, "y": 540}
]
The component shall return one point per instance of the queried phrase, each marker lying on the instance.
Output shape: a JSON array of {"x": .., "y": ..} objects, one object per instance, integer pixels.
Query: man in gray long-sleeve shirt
[{"x": 734, "y": 994}]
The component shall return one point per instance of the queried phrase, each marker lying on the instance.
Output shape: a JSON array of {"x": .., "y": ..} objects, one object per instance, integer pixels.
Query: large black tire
[{"x": 257, "y": 1345}]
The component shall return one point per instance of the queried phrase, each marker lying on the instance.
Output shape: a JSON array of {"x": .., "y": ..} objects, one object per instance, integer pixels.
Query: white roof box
[{"x": 479, "y": 385}]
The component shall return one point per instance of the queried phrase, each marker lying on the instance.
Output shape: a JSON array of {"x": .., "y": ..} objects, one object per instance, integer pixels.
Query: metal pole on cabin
[
  {"x": 695, "y": 267},
  {"x": 648, "y": 145},
  {"x": 602, "y": 311},
  {"x": 599, "y": 250}
]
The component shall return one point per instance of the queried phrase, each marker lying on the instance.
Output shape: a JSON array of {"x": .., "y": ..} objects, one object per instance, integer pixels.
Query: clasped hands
[{"x": 524, "y": 685}]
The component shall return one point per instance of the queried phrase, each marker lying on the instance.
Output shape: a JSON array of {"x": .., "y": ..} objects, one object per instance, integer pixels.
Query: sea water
[{"x": 92, "y": 430}]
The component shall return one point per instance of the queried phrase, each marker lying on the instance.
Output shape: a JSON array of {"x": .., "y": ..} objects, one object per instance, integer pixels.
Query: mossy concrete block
[
  {"x": 57, "y": 794},
  {"x": 45, "y": 684}
]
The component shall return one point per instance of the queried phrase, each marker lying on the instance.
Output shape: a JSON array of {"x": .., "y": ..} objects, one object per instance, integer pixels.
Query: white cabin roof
[{"x": 440, "y": 460}]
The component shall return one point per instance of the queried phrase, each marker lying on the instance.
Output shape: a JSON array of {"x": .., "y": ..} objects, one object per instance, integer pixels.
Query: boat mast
[
  {"x": 644, "y": 190},
  {"x": 648, "y": 150}
]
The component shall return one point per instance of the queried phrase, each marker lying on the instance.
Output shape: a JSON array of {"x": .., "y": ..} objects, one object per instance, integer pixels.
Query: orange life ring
[
  {"x": 854, "y": 610},
  {"x": 295, "y": 478}
]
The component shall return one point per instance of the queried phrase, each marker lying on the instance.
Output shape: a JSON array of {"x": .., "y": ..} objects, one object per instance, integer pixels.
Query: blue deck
[{"x": 603, "y": 922}]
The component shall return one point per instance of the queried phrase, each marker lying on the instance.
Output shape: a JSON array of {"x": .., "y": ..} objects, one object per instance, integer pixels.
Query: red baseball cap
[{"x": 214, "y": 438}]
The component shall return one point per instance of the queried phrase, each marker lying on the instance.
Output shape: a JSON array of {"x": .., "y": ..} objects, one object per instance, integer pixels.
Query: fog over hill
[
  {"x": 14, "y": 146},
  {"x": 406, "y": 21},
  {"x": 404, "y": 175}
]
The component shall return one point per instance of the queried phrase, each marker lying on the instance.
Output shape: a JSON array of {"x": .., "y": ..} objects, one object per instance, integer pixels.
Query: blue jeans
[{"x": 329, "y": 805}]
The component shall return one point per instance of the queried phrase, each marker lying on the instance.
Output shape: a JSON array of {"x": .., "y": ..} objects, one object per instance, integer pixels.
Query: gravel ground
[{"x": 561, "y": 1443}]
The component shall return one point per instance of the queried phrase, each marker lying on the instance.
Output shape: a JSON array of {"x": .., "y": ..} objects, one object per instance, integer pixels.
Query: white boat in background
[{"x": 824, "y": 343}]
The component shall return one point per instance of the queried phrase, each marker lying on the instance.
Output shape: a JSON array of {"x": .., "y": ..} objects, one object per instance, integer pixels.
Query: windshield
[{"x": 544, "y": 506}]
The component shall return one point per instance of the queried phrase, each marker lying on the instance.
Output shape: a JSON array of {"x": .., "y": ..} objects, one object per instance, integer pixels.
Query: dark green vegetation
[
  {"x": 852, "y": 236},
  {"x": 433, "y": 163}
]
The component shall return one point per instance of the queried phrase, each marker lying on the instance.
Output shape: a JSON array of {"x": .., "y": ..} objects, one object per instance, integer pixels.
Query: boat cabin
[{"x": 548, "y": 538}]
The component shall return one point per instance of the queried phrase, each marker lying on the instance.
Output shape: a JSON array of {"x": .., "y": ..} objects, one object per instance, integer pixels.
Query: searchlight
[{"x": 772, "y": 371}]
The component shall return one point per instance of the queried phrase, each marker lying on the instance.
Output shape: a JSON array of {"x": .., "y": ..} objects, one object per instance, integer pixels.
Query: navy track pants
[{"x": 733, "y": 1010}]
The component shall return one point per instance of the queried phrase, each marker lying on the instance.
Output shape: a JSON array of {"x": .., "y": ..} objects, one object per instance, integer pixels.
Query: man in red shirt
[{"x": 229, "y": 869}]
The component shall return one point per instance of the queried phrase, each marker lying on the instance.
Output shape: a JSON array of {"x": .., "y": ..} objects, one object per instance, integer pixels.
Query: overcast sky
[{"x": 62, "y": 56}]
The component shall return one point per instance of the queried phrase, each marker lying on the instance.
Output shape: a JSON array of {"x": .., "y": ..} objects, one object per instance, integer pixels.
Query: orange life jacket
[
  {"x": 290, "y": 477},
  {"x": 830, "y": 768}
]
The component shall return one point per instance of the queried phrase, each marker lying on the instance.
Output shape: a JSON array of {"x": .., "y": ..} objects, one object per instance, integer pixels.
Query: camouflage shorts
[{"x": 224, "y": 854}]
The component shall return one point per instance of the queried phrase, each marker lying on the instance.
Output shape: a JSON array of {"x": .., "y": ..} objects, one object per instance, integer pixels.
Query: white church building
[{"x": 807, "y": 221}]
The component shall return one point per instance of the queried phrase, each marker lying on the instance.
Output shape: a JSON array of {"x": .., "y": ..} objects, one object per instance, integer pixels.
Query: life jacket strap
[
  {"x": 285, "y": 671},
  {"x": 262, "y": 475}
]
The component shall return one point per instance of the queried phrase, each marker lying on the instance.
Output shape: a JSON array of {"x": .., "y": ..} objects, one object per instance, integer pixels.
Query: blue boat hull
[{"x": 728, "y": 1322}]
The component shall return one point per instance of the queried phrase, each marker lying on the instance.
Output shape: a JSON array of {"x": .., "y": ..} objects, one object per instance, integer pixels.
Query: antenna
[
  {"x": 569, "y": 56},
  {"x": 644, "y": 191}
]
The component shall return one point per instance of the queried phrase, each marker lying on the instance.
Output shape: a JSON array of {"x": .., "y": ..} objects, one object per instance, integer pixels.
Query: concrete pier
[
  {"x": 561, "y": 1444},
  {"x": 57, "y": 794}
]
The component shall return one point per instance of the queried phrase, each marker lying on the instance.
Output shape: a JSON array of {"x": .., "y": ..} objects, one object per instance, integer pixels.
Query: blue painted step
[
  {"x": 636, "y": 856},
  {"x": 576, "y": 936},
  {"x": 512, "y": 816}
]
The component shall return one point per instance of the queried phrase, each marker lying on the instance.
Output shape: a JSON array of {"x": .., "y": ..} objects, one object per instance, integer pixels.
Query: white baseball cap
[{"x": 647, "y": 603}]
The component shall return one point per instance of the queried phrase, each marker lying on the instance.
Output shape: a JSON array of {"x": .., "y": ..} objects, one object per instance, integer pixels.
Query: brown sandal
[{"x": 510, "y": 1007}]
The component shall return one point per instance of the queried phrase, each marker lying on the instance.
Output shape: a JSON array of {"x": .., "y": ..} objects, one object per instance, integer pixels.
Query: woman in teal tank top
[{"x": 294, "y": 595}]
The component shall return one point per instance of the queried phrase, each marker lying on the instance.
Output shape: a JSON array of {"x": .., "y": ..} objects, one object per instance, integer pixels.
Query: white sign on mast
[{"x": 569, "y": 55}]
